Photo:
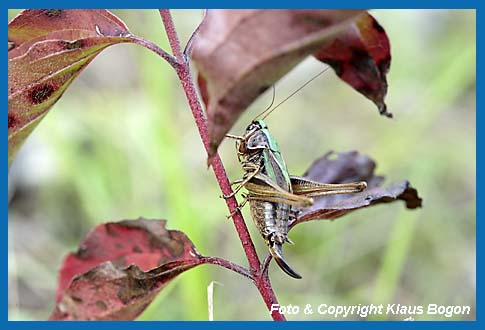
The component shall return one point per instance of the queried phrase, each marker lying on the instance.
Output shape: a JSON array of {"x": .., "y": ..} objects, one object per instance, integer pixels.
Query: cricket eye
[{"x": 242, "y": 147}]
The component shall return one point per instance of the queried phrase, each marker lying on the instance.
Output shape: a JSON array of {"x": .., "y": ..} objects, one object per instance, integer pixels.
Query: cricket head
[
  {"x": 255, "y": 126},
  {"x": 255, "y": 138}
]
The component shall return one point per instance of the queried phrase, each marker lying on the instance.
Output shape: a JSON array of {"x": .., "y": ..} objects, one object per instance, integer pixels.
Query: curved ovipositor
[{"x": 277, "y": 253}]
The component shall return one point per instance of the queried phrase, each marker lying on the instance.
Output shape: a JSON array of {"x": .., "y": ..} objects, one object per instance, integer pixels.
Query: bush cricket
[{"x": 273, "y": 194}]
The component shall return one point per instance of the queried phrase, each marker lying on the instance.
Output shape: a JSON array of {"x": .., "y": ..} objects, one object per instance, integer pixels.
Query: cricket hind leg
[
  {"x": 309, "y": 188},
  {"x": 267, "y": 191}
]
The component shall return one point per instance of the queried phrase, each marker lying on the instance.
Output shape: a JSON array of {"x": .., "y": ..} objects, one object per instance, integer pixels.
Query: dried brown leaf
[
  {"x": 347, "y": 167},
  {"x": 240, "y": 53},
  {"x": 361, "y": 56}
]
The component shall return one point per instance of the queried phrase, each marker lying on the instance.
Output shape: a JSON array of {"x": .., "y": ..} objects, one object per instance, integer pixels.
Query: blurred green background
[{"x": 122, "y": 143}]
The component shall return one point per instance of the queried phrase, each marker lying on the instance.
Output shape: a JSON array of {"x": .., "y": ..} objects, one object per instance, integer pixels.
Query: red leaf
[
  {"x": 95, "y": 282},
  {"x": 110, "y": 293},
  {"x": 32, "y": 26},
  {"x": 240, "y": 53},
  {"x": 361, "y": 57},
  {"x": 47, "y": 50}
]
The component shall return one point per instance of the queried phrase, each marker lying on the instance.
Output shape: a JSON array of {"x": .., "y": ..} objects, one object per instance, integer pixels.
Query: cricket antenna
[
  {"x": 270, "y": 105},
  {"x": 268, "y": 110},
  {"x": 272, "y": 99}
]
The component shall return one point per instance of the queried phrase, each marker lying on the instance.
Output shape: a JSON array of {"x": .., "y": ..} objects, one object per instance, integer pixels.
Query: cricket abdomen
[{"x": 271, "y": 219}]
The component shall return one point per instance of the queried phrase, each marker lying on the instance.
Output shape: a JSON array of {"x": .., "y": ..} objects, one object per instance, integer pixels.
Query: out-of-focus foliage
[{"x": 122, "y": 144}]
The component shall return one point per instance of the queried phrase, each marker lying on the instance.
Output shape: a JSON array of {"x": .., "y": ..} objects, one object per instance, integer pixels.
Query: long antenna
[
  {"x": 272, "y": 99},
  {"x": 269, "y": 110}
]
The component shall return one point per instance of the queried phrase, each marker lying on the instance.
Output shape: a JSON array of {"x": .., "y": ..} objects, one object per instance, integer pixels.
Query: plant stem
[
  {"x": 185, "y": 77},
  {"x": 183, "y": 71},
  {"x": 229, "y": 265},
  {"x": 156, "y": 49}
]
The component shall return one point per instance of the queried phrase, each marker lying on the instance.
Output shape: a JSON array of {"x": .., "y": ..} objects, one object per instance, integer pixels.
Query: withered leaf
[
  {"x": 361, "y": 56},
  {"x": 119, "y": 268},
  {"x": 240, "y": 53},
  {"x": 31, "y": 26},
  {"x": 108, "y": 292},
  {"x": 47, "y": 50},
  {"x": 347, "y": 167}
]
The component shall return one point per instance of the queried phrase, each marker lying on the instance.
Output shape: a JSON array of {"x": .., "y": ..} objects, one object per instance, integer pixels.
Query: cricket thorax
[{"x": 258, "y": 140}]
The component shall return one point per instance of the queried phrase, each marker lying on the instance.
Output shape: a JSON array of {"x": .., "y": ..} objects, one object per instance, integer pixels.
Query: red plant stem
[
  {"x": 183, "y": 71},
  {"x": 156, "y": 49},
  {"x": 185, "y": 77}
]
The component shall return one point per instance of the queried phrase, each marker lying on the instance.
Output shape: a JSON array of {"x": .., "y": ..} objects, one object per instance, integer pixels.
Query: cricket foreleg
[{"x": 235, "y": 137}]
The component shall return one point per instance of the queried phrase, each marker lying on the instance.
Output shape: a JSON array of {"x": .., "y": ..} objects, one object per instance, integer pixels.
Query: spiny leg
[
  {"x": 238, "y": 181},
  {"x": 256, "y": 169},
  {"x": 238, "y": 208}
]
